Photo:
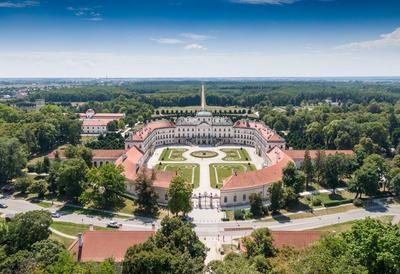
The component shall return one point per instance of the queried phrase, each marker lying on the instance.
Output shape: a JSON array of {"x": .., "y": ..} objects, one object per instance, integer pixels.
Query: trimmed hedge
[{"x": 338, "y": 202}]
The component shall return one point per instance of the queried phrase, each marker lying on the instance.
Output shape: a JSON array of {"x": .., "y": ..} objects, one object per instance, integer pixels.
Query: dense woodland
[{"x": 364, "y": 117}]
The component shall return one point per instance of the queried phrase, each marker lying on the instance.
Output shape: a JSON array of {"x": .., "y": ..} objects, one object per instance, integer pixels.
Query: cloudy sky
[{"x": 199, "y": 38}]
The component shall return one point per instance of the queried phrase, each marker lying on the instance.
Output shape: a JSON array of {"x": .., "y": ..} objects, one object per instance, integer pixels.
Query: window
[
  {"x": 234, "y": 199},
  {"x": 225, "y": 199},
  {"x": 166, "y": 196},
  {"x": 244, "y": 197}
]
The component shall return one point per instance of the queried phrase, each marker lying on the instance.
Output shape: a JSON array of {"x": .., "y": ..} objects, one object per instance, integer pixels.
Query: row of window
[{"x": 244, "y": 198}]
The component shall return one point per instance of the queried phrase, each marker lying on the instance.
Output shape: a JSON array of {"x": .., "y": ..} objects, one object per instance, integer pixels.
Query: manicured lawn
[
  {"x": 73, "y": 229},
  {"x": 341, "y": 227},
  {"x": 65, "y": 241},
  {"x": 225, "y": 170},
  {"x": 326, "y": 198},
  {"x": 89, "y": 211},
  {"x": 173, "y": 154},
  {"x": 235, "y": 154},
  {"x": 185, "y": 170},
  {"x": 204, "y": 154}
]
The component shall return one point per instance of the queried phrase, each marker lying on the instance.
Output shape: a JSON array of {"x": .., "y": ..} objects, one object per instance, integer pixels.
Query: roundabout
[{"x": 204, "y": 154}]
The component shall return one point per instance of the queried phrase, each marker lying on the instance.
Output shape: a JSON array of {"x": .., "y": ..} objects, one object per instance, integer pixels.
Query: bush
[
  {"x": 316, "y": 202},
  {"x": 248, "y": 215},
  {"x": 225, "y": 219},
  {"x": 338, "y": 202},
  {"x": 23, "y": 183},
  {"x": 239, "y": 214},
  {"x": 39, "y": 187},
  {"x": 358, "y": 202}
]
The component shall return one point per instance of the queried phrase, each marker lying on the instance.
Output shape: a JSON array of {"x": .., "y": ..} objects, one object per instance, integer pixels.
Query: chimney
[
  {"x": 91, "y": 227},
  {"x": 80, "y": 242}
]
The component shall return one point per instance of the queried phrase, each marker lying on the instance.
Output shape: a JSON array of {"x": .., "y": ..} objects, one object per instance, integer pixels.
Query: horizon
[{"x": 199, "y": 39}]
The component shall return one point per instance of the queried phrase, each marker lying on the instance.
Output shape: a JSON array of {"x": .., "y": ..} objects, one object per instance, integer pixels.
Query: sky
[{"x": 199, "y": 38}]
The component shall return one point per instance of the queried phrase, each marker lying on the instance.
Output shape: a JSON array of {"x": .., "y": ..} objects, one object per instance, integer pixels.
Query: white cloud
[
  {"x": 391, "y": 39},
  {"x": 195, "y": 36},
  {"x": 89, "y": 14},
  {"x": 168, "y": 41},
  {"x": 264, "y": 2},
  {"x": 18, "y": 4},
  {"x": 195, "y": 47}
]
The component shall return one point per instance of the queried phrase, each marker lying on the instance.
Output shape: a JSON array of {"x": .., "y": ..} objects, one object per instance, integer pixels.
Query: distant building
[{"x": 96, "y": 123}]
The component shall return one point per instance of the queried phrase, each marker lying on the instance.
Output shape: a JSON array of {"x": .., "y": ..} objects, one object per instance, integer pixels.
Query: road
[{"x": 216, "y": 228}]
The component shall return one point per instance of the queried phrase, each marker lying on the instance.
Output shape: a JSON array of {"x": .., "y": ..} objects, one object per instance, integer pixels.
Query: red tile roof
[
  {"x": 111, "y": 116},
  {"x": 129, "y": 161},
  {"x": 95, "y": 122},
  {"x": 142, "y": 134},
  {"x": 265, "y": 131},
  {"x": 100, "y": 245},
  {"x": 163, "y": 178},
  {"x": 299, "y": 154},
  {"x": 295, "y": 239},
  {"x": 265, "y": 176}
]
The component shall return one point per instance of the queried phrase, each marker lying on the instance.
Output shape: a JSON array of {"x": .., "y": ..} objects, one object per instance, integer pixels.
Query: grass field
[
  {"x": 73, "y": 229},
  {"x": 235, "y": 154},
  {"x": 185, "y": 170},
  {"x": 218, "y": 172},
  {"x": 173, "y": 154},
  {"x": 336, "y": 228}
]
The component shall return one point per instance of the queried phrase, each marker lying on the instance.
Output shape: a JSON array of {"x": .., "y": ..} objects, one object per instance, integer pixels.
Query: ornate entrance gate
[{"x": 206, "y": 200}]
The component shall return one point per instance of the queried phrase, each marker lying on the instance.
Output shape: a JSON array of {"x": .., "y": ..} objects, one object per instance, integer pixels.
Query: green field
[
  {"x": 73, "y": 229},
  {"x": 185, "y": 170},
  {"x": 225, "y": 170},
  {"x": 173, "y": 154},
  {"x": 235, "y": 154}
]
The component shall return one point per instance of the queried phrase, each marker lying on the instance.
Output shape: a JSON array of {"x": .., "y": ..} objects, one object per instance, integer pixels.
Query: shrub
[
  {"x": 39, "y": 187},
  {"x": 316, "y": 202},
  {"x": 248, "y": 215},
  {"x": 338, "y": 202},
  {"x": 358, "y": 202},
  {"x": 225, "y": 219},
  {"x": 239, "y": 214},
  {"x": 23, "y": 183}
]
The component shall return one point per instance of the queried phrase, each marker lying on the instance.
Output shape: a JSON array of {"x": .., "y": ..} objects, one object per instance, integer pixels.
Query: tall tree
[
  {"x": 146, "y": 195},
  {"x": 179, "y": 196},
  {"x": 293, "y": 177},
  {"x": 276, "y": 196},
  {"x": 71, "y": 178},
  {"x": 308, "y": 168},
  {"x": 319, "y": 166},
  {"x": 12, "y": 159},
  {"x": 259, "y": 243},
  {"x": 256, "y": 205},
  {"x": 365, "y": 181}
]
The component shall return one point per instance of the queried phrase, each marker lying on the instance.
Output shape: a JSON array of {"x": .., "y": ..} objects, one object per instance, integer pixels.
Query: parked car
[
  {"x": 3, "y": 206},
  {"x": 113, "y": 224},
  {"x": 7, "y": 188},
  {"x": 55, "y": 215}
]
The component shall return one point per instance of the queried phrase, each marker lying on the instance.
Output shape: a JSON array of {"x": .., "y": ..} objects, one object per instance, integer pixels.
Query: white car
[
  {"x": 3, "y": 206},
  {"x": 113, "y": 224},
  {"x": 55, "y": 215}
]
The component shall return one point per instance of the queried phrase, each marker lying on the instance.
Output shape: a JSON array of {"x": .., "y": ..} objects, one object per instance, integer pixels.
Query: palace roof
[
  {"x": 265, "y": 131},
  {"x": 129, "y": 161},
  {"x": 96, "y": 122},
  {"x": 265, "y": 176},
  {"x": 142, "y": 134}
]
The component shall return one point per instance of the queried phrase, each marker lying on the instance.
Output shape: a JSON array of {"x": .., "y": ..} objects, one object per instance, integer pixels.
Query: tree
[
  {"x": 319, "y": 166},
  {"x": 290, "y": 197},
  {"x": 12, "y": 159},
  {"x": 259, "y": 243},
  {"x": 179, "y": 196},
  {"x": 22, "y": 183},
  {"x": 175, "y": 248},
  {"x": 79, "y": 152},
  {"x": 276, "y": 196},
  {"x": 293, "y": 177},
  {"x": 331, "y": 174},
  {"x": 106, "y": 186},
  {"x": 46, "y": 135},
  {"x": 256, "y": 205},
  {"x": 366, "y": 180},
  {"x": 112, "y": 126},
  {"x": 71, "y": 178},
  {"x": 25, "y": 229},
  {"x": 380, "y": 163},
  {"x": 308, "y": 168},
  {"x": 146, "y": 195},
  {"x": 394, "y": 185},
  {"x": 39, "y": 187}
]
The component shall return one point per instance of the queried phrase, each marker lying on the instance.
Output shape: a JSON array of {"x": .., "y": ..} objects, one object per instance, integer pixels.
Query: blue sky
[{"x": 199, "y": 38}]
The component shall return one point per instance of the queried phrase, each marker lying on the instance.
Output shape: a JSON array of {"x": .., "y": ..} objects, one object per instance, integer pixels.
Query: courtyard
[{"x": 206, "y": 173}]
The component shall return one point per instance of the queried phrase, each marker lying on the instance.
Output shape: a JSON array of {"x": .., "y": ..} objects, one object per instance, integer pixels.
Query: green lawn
[
  {"x": 65, "y": 241},
  {"x": 235, "y": 154},
  {"x": 73, "y": 229},
  {"x": 327, "y": 198},
  {"x": 226, "y": 170},
  {"x": 173, "y": 154},
  {"x": 185, "y": 170},
  {"x": 341, "y": 227},
  {"x": 90, "y": 212},
  {"x": 204, "y": 154}
]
